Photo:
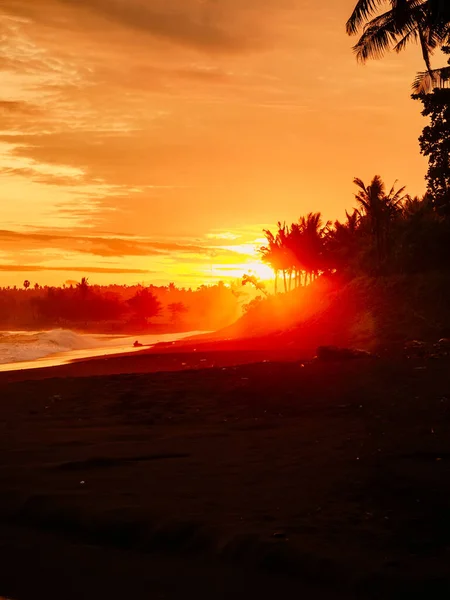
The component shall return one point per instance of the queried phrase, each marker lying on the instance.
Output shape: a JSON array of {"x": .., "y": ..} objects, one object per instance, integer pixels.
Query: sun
[{"x": 259, "y": 270}]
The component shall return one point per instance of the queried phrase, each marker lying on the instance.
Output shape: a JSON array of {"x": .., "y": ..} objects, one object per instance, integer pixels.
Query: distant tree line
[{"x": 120, "y": 308}]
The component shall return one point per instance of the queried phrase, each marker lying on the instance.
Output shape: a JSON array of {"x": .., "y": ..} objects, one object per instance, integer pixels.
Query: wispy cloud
[
  {"x": 110, "y": 246},
  {"x": 69, "y": 269}
]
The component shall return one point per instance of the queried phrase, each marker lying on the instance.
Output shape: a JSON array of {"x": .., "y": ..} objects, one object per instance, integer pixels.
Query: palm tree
[
  {"x": 380, "y": 209},
  {"x": 83, "y": 286},
  {"x": 285, "y": 254},
  {"x": 424, "y": 21},
  {"x": 269, "y": 255},
  {"x": 342, "y": 241},
  {"x": 313, "y": 234},
  {"x": 276, "y": 254}
]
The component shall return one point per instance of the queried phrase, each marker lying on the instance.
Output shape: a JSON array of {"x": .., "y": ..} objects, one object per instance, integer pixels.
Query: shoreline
[
  {"x": 68, "y": 357},
  {"x": 153, "y": 360}
]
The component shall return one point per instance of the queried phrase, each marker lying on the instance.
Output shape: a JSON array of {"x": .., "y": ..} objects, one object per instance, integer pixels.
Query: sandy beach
[{"x": 306, "y": 473}]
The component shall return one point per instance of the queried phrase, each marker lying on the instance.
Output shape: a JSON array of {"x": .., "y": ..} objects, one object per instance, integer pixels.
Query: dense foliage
[
  {"x": 387, "y": 232},
  {"x": 435, "y": 145}
]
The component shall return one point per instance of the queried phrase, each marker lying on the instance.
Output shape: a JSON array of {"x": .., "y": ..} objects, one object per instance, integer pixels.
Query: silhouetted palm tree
[
  {"x": 342, "y": 242},
  {"x": 313, "y": 242},
  {"x": 380, "y": 209},
  {"x": 273, "y": 253},
  {"x": 83, "y": 286},
  {"x": 424, "y": 21}
]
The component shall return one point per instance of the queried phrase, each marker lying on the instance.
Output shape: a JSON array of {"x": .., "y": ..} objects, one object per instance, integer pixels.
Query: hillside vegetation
[{"x": 366, "y": 312}]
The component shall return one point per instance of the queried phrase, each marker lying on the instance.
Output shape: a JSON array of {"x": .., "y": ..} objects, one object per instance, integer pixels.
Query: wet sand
[{"x": 267, "y": 476}]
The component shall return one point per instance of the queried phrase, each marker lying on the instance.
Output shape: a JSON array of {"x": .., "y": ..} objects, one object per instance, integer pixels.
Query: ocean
[{"x": 34, "y": 349}]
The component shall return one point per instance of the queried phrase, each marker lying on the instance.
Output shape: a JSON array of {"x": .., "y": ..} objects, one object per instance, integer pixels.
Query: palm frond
[
  {"x": 360, "y": 183},
  {"x": 426, "y": 81},
  {"x": 362, "y": 11},
  {"x": 388, "y": 31},
  {"x": 410, "y": 36}
]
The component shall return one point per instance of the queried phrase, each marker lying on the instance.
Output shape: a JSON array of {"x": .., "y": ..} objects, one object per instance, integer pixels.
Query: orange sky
[{"x": 151, "y": 140}]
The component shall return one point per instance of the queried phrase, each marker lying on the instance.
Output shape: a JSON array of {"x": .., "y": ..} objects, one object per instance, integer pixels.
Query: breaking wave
[
  {"x": 20, "y": 346},
  {"x": 62, "y": 345}
]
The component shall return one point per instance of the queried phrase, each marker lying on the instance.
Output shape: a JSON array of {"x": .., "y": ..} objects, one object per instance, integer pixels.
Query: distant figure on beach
[{"x": 137, "y": 344}]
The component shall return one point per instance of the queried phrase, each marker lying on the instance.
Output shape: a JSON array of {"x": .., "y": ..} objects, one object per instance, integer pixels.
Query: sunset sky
[{"x": 152, "y": 140}]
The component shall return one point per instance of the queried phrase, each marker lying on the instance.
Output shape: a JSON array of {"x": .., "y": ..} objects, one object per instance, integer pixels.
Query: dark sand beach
[{"x": 277, "y": 476}]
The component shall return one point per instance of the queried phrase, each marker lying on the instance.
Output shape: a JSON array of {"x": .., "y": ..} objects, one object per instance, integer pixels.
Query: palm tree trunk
[
  {"x": 276, "y": 282},
  {"x": 285, "y": 281}
]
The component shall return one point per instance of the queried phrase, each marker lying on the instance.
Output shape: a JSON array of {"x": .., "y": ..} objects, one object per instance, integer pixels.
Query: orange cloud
[{"x": 66, "y": 269}]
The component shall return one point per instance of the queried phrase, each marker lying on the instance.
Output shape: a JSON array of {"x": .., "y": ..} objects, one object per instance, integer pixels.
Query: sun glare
[{"x": 260, "y": 270}]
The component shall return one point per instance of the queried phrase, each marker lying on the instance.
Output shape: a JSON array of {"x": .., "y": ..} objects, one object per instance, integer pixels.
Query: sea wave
[
  {"x": 20, "y": 346},
  {"x": 28, "y": 349}
]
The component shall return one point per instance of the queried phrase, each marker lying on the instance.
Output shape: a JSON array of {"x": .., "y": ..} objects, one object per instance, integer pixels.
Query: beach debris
[
  {"x": 330, "y": 353},
  {"x": 137, "y": 344},
  {"x": 419, "y": 349}
]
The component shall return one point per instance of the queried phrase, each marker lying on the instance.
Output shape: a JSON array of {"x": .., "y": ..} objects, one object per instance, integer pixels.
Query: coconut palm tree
[
  {"x": 426, "y": 22},
  {"x": 284, "y": 252},
  {"x": 379, "y": 209},
  {"x": 313, "y": 234},
  {"x": 270, "y": 254},
  {"x": 342, "y": 241},
  {"x": 83, "y": 286},
  {"x": 276, "y": 253}
]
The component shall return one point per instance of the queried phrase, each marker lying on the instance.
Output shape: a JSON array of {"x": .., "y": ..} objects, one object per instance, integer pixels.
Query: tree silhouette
[
  {"x": 296, "y": 251},
  {"x": 83, "y": 286},
  {"x": 252, "y": 280},
  {"x": 435, "y": 144},
  {"x": 26, "y": 284},
  {"x": 424, "y": 21},
  {"x": 176, "y": 309},
  {"x": 145, "y": 304},
  {"x": 272, "y": 254},
  {"x": 343, "y": 242},
  {"x": 380, "y": 209}
]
